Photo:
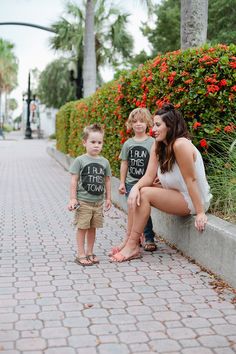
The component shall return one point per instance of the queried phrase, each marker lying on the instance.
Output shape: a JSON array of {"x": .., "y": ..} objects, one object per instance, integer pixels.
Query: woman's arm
[{"x": 184, "y": 155}]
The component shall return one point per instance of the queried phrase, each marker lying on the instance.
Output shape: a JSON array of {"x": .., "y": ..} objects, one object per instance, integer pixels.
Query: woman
[{"x": 184, "y": 189}]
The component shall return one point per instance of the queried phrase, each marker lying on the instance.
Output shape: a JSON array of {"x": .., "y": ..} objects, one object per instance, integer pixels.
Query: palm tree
[
  {"x": 194, "y": 18},
  {"x": 8, "y": 70},
  {"x": 112, "y": 41},
  {"x": 89, "y": 62}
]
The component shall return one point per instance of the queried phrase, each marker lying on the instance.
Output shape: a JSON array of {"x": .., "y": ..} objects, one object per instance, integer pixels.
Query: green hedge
[{"x": 201, "y": 82}]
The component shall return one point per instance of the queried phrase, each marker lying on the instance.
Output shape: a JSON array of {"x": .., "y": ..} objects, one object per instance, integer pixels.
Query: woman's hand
[
  {"x": 134, "y": 197},
  {"x": 200, "y": 221}
]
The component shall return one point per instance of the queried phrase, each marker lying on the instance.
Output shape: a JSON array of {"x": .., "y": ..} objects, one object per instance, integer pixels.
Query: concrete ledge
[
  {"x": 63, "y": 159},
  {"x": 215, "y": 249}
]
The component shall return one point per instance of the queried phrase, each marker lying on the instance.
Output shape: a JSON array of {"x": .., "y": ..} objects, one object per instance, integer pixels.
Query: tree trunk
[
  {"x": 194, "y": 18},
  {"x": 89, "y": 64}
]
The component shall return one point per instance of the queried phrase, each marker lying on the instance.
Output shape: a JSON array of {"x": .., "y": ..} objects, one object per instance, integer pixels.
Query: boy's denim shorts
[{"x": 90, "y": 214}]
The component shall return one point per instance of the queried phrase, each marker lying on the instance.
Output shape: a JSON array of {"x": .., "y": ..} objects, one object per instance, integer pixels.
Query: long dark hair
[{"x": 176, "y": 129}]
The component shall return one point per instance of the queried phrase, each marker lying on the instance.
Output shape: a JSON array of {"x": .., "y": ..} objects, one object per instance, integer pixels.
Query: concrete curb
[{"x": 215, "y": 249}]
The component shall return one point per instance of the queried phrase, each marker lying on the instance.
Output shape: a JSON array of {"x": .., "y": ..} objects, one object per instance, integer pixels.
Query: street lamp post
[
  {"x": 28, "y": 130},
  {"x": 76, "y": 77}
]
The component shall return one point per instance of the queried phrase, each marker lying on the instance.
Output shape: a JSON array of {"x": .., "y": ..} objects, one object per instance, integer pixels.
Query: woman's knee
[{"x": 145, "y": 193}]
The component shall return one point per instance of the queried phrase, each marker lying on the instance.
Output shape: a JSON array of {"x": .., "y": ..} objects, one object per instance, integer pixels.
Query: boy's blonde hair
[
  {"x": 93, "y": 128},
  {"x": 143, "y": 113}
]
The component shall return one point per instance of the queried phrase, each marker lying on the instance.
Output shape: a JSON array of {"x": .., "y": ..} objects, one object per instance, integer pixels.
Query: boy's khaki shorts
[{"x": 90, "y": 214}]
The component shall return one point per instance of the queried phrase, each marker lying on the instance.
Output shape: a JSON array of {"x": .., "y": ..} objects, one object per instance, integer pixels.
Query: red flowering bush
[{"x": 200, "y": 82}]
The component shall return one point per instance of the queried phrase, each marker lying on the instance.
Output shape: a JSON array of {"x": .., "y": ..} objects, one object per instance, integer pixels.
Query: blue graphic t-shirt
[
  {"x": 137, "y": 154},
  {"x": 92, "y": 172}
]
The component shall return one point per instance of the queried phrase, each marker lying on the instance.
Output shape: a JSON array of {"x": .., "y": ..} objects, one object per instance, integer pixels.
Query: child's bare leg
[
  {"x": 91, "y": 235},
  {"x": 81, "y": 254}
]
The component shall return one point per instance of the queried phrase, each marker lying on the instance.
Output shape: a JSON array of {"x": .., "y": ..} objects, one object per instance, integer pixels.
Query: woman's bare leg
[
  {"x": 169, "y": 201},
  {"x": 118, "y": 248}
]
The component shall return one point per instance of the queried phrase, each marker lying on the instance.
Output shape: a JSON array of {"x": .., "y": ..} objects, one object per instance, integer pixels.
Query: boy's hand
[
  {"x": 72, "y": 204},
  {"x": 107, "y": 204},
  {"x": 122, "y": 189}
]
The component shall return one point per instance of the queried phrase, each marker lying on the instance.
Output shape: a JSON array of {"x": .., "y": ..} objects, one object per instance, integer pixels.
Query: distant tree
[
  {"x": 12, "y": 104},
  {"x": 222, "y": 21},
  {"x": 54, "y": 88},
  {"x": 113, "y": 43},
  {"x": 8, "y": 67},
  {"x": 8, "y": 73},
  {"x": 165, "y": 34}
]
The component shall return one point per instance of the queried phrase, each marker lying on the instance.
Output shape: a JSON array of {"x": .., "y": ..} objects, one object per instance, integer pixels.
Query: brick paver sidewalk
[{"x": 161, "y": 303}]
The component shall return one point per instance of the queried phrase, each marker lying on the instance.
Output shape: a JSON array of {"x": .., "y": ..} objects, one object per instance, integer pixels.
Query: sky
[{"x": 32, "y": 45}]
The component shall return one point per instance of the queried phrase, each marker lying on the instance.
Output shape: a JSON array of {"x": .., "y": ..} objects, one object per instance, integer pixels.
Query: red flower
[
  {"x": 180, "y": 89},
  {"x": 156, "y": 62},
  {"x": 229, "y": 128},
  {"x": 203, "y": 143},
  {"x": 223, "y": 46},
  {"x": 171, "y": 77},
  {"x": 223, "y": 82},
  {"x": 233, "y": 88},
  {"x": 163, "y": 67},
  {"x": 123, "y": 140},
  {"x": 210, "y": 80},
  {"x": 185, "y": 73},
  {"x": 212, "y": 88},
  {"x": 151, "y": 133},
  {"x": 232, "y": 65},
  {"x": 189, "y": 81},
  {"x": 204, "y": 58},
  {"x": 208, "y": 60},
  {"x": 196, "y": 125}
]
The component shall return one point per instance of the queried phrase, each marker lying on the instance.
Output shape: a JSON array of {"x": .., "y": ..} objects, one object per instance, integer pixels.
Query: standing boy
[
  {"x": 134, "y": 160},
  {"x": 90, "y": 181}
]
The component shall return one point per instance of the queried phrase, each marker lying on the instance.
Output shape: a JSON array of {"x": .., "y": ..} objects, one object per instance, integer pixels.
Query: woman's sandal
[
  {"x": 79, "y": 260},
  {"x": 93, "y": 258},
  {"x": 150, "y": 246},
  {"x": 119, "y": 257}
]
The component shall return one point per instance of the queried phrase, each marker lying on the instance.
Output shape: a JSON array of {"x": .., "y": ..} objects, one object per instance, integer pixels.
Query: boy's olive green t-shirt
[
  {"x": 137, "y": 154},
  {"x": 92, "y": 172}
]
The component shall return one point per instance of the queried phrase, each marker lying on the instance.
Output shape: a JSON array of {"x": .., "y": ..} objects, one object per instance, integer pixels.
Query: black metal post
[
  {"x": 77, "y": 80},
  {"x": 28, "y": 130}
]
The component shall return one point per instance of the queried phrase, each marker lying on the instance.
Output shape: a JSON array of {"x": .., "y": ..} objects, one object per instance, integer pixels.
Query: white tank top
[{"x": 174, "y": 180}]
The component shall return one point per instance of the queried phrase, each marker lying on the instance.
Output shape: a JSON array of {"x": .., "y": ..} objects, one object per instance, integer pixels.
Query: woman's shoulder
[{"x": 181, "y": 143}]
